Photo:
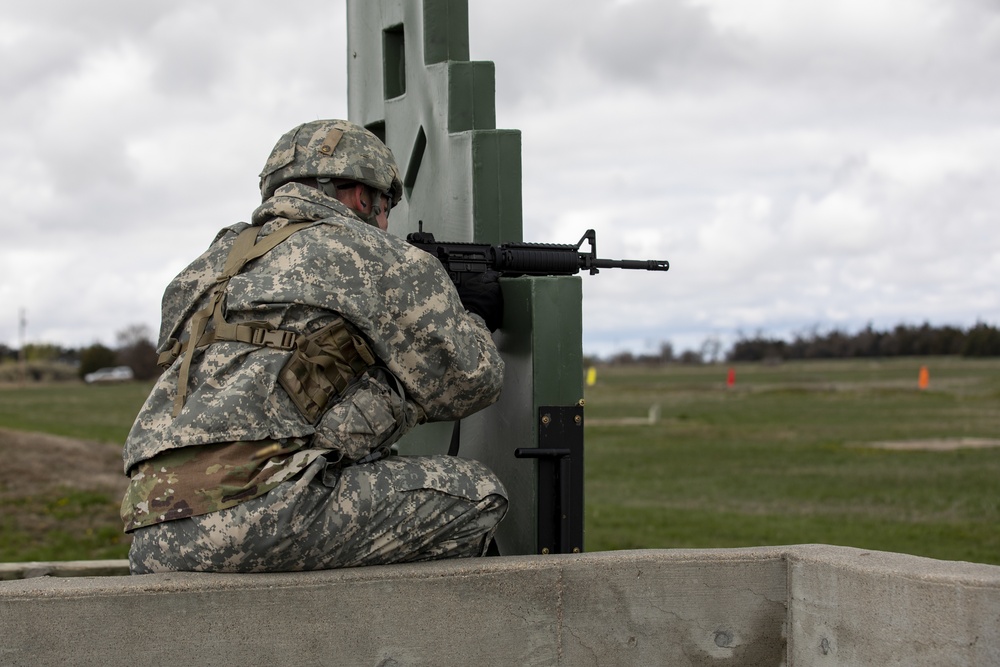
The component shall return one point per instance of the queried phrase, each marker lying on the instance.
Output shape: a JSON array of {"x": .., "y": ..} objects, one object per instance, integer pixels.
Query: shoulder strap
[{"x": 245, "y": 248}]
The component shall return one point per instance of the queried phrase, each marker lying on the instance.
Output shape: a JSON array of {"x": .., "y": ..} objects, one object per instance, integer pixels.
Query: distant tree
[
  {"x": 666, "y": 352},
  {"x": 136, "y": 350},
  {"x": 982, "y": 340},
  {"x": 622, "y": 358},
  {"x": 711, "y": 349},
  {"x": 758, "y": 348},
  {"x": 96, "y": 356},
  {"x": 132, "y": 334},
  {"x": 70, "y": 356},
  {"x": 690, "y": 357},
  {"x": 949, "y": 340},
  {"x": 41, "y": 352}
]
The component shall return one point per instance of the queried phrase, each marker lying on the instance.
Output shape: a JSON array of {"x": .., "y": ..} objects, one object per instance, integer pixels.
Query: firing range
[{"x": 411, "y": 81}]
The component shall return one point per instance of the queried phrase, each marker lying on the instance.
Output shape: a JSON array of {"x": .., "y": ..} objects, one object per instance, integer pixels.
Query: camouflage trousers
[{"x": 397, "y": 510}]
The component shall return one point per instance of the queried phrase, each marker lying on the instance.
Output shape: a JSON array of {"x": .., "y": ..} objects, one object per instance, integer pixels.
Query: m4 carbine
[{"x": 464, "y": 260}]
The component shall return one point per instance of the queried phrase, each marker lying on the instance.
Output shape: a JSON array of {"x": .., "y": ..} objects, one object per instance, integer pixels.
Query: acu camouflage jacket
[{"x": 399, "y": 297}]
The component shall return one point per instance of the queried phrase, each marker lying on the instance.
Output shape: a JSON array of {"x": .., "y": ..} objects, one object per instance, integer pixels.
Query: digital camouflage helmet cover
[{"x": 332, "y": 150}]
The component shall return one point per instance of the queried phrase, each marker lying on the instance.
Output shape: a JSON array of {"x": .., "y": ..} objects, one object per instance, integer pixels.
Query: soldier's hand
[{"x": 482, "y": 296}]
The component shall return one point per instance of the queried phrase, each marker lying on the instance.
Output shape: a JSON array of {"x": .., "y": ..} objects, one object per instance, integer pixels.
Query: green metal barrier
[{"x": 411, "y": 82}]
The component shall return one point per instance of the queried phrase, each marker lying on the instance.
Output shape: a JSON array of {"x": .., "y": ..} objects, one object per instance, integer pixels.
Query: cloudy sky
[{"x": 801, "y": 163}]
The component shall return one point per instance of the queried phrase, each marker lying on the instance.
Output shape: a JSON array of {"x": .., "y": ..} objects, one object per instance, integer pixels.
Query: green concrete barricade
[{"x": 411, "y": 82}]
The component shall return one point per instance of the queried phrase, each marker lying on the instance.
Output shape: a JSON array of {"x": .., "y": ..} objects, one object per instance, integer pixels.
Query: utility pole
[{"x": 21, "y": 357}]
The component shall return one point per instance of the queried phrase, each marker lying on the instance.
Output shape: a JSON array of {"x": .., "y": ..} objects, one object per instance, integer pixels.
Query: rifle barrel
[{"x": 639, "y": 264}]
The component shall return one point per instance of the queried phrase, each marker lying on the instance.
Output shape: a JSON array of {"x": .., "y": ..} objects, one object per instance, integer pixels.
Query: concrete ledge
[
  {"x": 802, "y": 605},
  {"x": 852, "y": 607},
  {"x": 66, "y": 568}
]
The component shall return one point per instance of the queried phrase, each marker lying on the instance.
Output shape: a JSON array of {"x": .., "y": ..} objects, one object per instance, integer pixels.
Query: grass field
[
  {"x": 58, "y": 503},
  {"x": 103, "y": 413},
  {"x": 781, "y": 457}
]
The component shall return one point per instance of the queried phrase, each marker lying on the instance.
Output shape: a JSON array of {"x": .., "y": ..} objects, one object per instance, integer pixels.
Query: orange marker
[
  {"x": 924, "y": 379},
  {"x": 731, "y": 378}
]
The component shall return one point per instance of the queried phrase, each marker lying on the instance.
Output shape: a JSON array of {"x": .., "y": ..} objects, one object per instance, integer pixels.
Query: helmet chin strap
[
  {"x": 376, "y": 209},
  {"x": 371, "y": 216}
]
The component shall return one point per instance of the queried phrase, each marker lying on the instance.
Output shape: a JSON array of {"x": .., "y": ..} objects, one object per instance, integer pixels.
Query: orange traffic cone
[{"x": 924, "y": 378}]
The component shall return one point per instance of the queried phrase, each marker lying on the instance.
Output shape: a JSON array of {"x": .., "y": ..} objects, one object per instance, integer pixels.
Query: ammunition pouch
[{"x": 322, "y": 366}]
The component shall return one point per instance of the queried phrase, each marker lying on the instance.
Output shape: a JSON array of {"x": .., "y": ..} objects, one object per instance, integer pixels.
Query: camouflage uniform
[
  {"x": 435, "y": 362},
  {"x": 397, "y": 510}
]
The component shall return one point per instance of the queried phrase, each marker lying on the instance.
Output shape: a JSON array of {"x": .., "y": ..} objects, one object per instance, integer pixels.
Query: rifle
[{"x": 463, "y": 260}]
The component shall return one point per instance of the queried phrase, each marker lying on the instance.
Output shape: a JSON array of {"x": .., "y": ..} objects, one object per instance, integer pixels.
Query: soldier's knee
[{"x": 495, "y": 506}]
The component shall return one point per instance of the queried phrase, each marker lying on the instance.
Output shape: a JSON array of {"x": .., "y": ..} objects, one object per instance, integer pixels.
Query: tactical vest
[{"x": 322, "y": 365}]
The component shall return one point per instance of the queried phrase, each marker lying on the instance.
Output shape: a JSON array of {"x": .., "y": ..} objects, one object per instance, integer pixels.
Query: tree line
[
  {"x": 49, "y": 362},
  {"x": 981, "y": 340}
]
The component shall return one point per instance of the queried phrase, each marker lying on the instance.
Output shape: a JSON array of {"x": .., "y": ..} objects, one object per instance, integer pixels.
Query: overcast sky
[{"x": 801, "y": 163}]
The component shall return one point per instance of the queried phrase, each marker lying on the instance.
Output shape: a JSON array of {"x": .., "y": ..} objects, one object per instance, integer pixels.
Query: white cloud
[
  {"x": 799, "y": 163},
  {"x": 838, "y": 223}
]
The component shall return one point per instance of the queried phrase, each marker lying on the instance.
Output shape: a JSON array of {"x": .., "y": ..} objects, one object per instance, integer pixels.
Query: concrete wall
[{"x": 802, "y": 605}]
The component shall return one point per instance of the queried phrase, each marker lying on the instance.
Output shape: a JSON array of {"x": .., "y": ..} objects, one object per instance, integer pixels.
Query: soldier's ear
[
  {"x": 351, "y": 197},
  {"x": 360, "y": 203}
]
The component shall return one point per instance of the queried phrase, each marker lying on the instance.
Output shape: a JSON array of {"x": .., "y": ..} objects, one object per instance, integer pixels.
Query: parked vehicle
[{"x": 107, "y": 375}]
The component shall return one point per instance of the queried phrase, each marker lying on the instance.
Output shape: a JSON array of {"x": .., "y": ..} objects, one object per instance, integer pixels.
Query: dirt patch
[
  {"x": 32, "y": 463},
  {"x": 934, "y": 444},
  {"x": 60, "y": 498}
]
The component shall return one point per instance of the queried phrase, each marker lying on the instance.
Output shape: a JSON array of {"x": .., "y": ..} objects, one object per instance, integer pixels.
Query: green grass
[
  {"x": 69, "y": 525},
  {"x": 777, "y": 459},
  {"x": 60, "y": 523},
  {"x": 90, "y": 412}
]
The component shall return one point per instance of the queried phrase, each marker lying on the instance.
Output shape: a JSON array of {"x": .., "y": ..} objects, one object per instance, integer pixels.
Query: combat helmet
[{"x": 332, "y": 149}]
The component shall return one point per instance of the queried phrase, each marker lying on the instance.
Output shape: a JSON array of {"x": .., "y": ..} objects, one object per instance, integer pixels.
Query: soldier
[{"x": 298, "y": 349}]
